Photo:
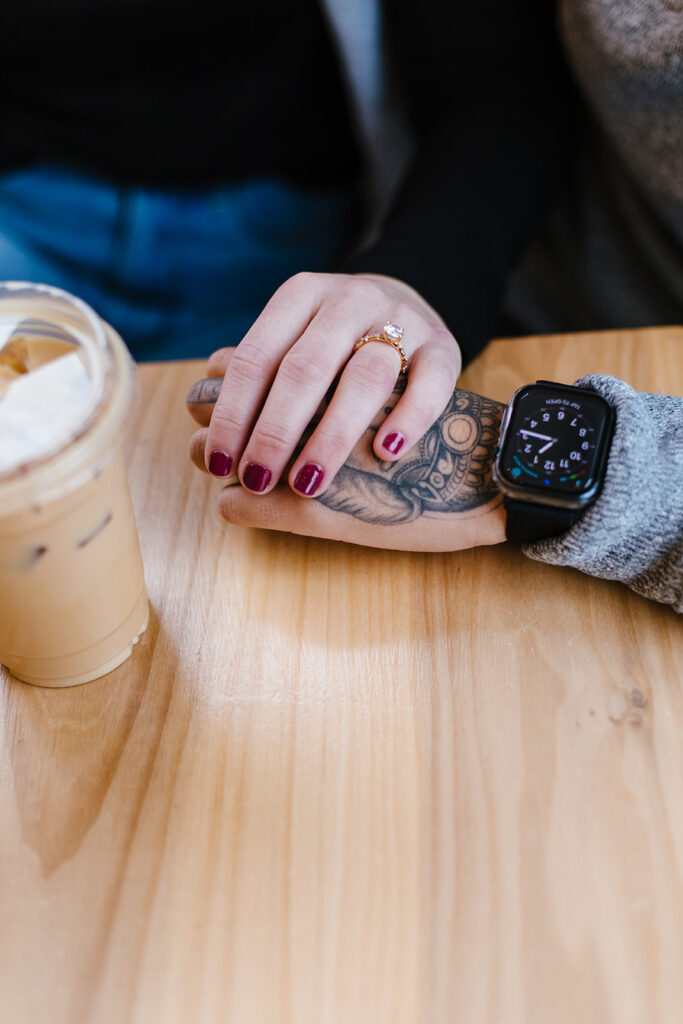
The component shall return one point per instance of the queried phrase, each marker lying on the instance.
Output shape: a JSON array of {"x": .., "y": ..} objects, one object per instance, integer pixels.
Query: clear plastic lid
[{"x": 66, "y": 387}]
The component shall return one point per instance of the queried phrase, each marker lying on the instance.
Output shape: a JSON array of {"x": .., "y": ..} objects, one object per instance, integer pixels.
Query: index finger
[{"x": 253, "y": 365}]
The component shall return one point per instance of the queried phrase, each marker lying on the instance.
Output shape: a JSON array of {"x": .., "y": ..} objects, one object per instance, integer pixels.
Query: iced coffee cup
[{"x": 72, "y": 591}]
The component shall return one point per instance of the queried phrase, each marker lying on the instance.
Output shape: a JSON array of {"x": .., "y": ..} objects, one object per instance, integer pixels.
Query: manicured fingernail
[
  {"x": 308, "y": 478},
  {"x": 220, "y": 463},
  {"x": 256, "y": 477},
  {"x": 393, "y": 442}
]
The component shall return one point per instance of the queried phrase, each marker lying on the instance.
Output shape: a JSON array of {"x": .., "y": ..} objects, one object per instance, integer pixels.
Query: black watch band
[{"x": 527, "y": 521}]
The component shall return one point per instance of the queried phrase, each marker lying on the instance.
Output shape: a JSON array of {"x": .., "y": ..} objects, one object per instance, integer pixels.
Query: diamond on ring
[
  {"x": 393, "y": 331},
  {"x": 391, "y": 335}
]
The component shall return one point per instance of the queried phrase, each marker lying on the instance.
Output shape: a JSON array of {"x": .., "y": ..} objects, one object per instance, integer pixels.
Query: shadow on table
[
  {"x": 341, "y": 596},
  {"x": 66, "y": 746}
]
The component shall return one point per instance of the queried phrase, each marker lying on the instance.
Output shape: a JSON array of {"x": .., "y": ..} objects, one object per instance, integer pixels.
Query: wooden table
[{"x": 342, "y": 786}]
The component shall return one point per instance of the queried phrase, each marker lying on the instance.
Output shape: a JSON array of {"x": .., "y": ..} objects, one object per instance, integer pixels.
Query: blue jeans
[{"x": 177, "y": 273}]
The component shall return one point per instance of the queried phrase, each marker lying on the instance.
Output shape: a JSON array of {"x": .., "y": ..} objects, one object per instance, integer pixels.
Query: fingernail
[
  {"x": 220, "y": 463},
  {"x": 308, "y": 478},
  {"x": 256, "y": 477},
  {"x": 393, "y": 442}
]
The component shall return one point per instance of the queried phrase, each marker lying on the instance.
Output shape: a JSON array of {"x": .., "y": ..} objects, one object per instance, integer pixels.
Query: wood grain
[{"x": 336, "y": 785}]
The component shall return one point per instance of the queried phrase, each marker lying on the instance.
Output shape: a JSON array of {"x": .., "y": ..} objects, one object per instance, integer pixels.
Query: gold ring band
[{"x": 391, "y": 334}]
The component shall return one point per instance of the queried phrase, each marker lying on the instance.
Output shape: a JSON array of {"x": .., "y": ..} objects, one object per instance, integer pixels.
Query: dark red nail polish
[
  {"x": 220, "y": 463},
  {"x": 256, "y": 477},
  {"x": 308, "y": 478},
  {"x": 393, "y": 442}
]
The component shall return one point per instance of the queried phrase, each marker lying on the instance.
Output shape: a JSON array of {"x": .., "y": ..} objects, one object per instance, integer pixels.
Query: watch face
[{"x": 555, "y": 440}]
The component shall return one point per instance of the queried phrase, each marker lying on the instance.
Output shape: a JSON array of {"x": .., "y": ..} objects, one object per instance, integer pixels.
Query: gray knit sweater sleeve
[{"x": 634, "y": 531}]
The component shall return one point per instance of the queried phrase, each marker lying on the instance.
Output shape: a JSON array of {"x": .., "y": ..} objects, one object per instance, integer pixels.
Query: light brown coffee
[{"x": 72, "y": 593}]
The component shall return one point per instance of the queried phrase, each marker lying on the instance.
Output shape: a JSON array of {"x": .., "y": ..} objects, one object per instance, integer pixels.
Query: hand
[
  {"x": 278, "y": 375},
  {"x": 438, "y": 497}
]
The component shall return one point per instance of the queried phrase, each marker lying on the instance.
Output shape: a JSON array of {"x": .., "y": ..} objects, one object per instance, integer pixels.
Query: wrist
[{"x": 550, "y": 463}]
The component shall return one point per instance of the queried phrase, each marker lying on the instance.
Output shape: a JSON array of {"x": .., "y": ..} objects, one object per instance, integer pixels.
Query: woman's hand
[
  {"x": 438, "y": 497},
  {"x": 276, "y": 378}
]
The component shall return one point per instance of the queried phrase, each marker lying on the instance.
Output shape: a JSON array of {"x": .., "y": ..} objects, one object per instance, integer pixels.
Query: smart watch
[{"x": 551, "y": 457}]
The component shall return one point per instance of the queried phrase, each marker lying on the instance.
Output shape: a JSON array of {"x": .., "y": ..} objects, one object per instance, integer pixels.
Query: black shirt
[
  {"x": 493, "y": 110},
  {"x": 187, "y": 92},
  {"x": 174, "y": 92}
]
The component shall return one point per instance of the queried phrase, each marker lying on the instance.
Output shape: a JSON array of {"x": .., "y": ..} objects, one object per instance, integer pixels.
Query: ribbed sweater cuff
[{"x": 634, "y": 531}]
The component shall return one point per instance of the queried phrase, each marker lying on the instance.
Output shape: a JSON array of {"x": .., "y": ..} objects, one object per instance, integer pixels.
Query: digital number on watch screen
[{"x": 554, "y": 441}]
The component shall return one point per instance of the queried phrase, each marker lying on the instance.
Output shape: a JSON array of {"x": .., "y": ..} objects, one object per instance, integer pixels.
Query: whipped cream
[{"x": 43, "y": 409}]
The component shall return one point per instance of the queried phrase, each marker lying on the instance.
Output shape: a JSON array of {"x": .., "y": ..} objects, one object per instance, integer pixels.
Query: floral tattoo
[{"x": 448, "y": 472}]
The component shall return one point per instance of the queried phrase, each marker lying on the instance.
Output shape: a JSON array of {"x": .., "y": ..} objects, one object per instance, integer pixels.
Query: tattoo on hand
[{"x": 448, "y": 472}]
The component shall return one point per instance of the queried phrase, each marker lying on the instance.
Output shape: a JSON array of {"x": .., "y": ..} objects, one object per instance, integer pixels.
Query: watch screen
[{"x": 554, "y": 439}]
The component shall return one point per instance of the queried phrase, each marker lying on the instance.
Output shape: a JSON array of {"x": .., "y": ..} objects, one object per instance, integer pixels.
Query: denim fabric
[{"x": 177, "y": 273}]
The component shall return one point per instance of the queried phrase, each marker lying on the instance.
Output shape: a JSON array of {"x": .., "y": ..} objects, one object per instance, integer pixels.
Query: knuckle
[
  {"x": 226, "y": 421},
  {"x": 444, "y": 361},
  {"x": 271, "y": 437},
  {"x": 440, "y": 366},
  {"x": 372, "y": 371},
  {"x": 363, "y": 292},
  {"x": 440, "y": 334},
  {"x": 442, "y": 377},
  {"x": 426, "y": 410},
  {"x": 301, "y": 283},
  {"x": 303, "y": 278},
  {"x": 332, "y": 437},
  {"x": 424, "y": 405},
  {"x": 307, "y": 369},
  {"x": 250, "y": 363}
]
